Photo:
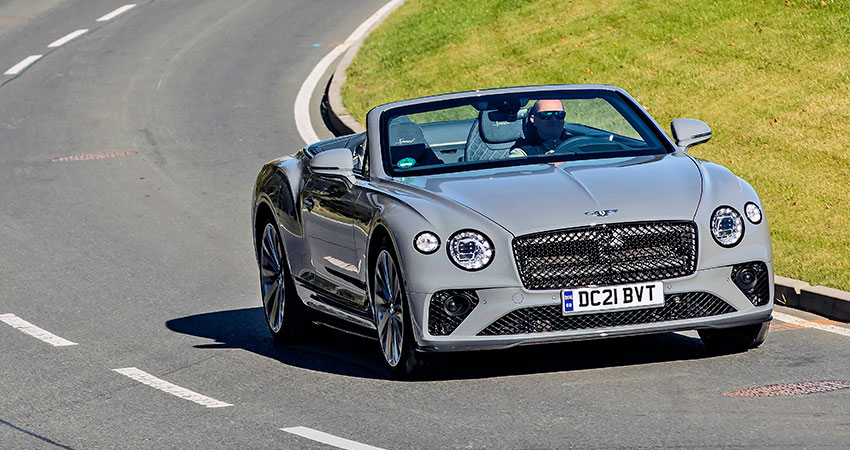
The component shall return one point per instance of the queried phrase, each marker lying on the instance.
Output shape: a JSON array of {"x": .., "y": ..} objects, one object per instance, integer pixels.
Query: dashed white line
[
  {"x": 808, "y": 324},
  {"x": 117, "y": 12},
  {"x": 17, "y": 68},
  {"x": 329, "y": 439},
  {"x": 68, "y": 38},
  {"x": 170, "y": 388},
  {"x": 302, "y": 100},
  {"x": 34, "y": 331}
]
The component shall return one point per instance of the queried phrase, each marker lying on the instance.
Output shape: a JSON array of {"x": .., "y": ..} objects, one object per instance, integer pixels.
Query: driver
[{"x": 546, "y": 130}]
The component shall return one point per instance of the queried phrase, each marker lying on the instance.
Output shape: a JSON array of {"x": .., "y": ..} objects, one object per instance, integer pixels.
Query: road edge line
[{"x": 303, "y": 123}]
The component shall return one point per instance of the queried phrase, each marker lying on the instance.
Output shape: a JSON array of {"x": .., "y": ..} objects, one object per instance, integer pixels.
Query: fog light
[
  {"x": 746, "y": 279},
  {"x": 752, "y": 279},
  {"x": 457, "y": 305},
  {"x": 447, "y": 309}
]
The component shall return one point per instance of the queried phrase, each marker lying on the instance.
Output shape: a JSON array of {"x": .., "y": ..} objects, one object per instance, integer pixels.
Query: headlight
[
  {"x": 426, "y": 242},
  {"x": 470, "y": 250},
  {"x": 727, "y": 226},
  {"x": 753, "y": 212}
]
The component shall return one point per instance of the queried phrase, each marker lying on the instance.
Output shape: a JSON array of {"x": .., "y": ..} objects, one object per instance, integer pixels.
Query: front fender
[
  {"x": 405, "y": 212},
  {"x": 721, "y": 187},
  {"x": 278, "y": 185}
]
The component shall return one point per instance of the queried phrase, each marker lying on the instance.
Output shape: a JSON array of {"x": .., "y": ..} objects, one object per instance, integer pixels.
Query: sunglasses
[{"x": 547, "y": 115}]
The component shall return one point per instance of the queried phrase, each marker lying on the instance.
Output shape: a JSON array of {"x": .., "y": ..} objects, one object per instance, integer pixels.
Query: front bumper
[{"x": 497, "y": 302}]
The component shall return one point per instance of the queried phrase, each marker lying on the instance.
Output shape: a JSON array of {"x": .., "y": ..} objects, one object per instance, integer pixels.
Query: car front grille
[
  {"x": 541, "y": 319},
  {"x": 606, "y": 254}
]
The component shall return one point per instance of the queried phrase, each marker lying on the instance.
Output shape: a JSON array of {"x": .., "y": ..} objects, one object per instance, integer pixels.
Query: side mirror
[
  {"x": 689, "y": 132},
  {"x": 337, "y": 162}
]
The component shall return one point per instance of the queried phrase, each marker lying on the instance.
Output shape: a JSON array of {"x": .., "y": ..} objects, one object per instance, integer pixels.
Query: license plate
[{"x": 612, "y": 298}]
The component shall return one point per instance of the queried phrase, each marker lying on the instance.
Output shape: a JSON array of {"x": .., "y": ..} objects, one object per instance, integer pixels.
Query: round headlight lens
[
  {"x": 727, "y": 226},
  {"x": 426, "y": 242},
  {"x": 470, "y": 250},
  {"x": 753, "y": 212}
]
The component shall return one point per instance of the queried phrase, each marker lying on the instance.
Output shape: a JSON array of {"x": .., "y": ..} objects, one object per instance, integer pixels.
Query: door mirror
[
  {"x": 689, "y": 132},
  {"x": 335, "y": 163}
]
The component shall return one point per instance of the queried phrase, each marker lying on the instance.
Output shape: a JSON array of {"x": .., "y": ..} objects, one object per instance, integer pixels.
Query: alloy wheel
[
  {"x": 272, "y": 278},
  {"x": 389, "y": 312}
]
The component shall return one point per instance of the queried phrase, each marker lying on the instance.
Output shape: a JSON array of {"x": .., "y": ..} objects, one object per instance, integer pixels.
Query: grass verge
[{"x": 771, "y": 77}]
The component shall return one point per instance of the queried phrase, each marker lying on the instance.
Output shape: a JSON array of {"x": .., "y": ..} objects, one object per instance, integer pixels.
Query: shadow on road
[{"x": 344, "y": 354}]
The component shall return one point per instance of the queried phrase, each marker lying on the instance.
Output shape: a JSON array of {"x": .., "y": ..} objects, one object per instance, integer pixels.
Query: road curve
[{"x": 129, "y": 305}]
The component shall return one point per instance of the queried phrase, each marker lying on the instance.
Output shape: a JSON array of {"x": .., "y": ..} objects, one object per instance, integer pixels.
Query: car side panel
[{"x": 327, "y": 205}]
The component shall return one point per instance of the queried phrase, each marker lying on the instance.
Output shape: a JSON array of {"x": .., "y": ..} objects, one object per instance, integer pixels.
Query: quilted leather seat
[{"x": 493, "y": 135}]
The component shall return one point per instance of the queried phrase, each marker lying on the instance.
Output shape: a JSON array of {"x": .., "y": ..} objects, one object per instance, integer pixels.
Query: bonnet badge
[{"x": 601, "y": 212}]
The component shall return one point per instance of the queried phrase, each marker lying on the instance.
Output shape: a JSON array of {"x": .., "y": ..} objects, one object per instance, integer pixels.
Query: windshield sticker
[{"x": 404, "y": 163}]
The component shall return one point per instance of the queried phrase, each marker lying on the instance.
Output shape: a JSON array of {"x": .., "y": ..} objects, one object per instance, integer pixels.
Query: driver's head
[{"x": 547, "y": 116}]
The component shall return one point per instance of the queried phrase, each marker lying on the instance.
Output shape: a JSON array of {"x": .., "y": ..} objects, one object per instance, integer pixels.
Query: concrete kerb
[
  {"x": 821, "y": 300},
  {"x": 825, "y": 301},
  {"x": 340, "y": 120}
]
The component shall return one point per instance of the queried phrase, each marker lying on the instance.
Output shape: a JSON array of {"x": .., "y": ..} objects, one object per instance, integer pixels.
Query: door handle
[{"x": 309, "y": 204}]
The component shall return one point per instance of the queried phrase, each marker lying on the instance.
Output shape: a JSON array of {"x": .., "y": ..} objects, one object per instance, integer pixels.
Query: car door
[{"x": 327, "y": 208}]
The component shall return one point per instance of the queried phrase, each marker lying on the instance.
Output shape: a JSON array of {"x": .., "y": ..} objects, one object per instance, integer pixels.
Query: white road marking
[
  {"x": 34, "y": 331},
  {"x": 329, "y": 439},
  {"x": 807, "y": 324},
  {"x": 116, "y": 13},
  {"x": 17, "y": 68},
  {"x": 302, "y": 100},
  {"x": 68, "y": 38},
  {"x": 170, "y": 388}
]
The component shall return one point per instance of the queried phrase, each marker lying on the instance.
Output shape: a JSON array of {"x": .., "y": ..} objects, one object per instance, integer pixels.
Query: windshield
[{"x": 508, "y": 130}]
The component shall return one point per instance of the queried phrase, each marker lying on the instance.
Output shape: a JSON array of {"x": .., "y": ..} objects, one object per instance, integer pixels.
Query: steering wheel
[{"x": 570, "y": 146}]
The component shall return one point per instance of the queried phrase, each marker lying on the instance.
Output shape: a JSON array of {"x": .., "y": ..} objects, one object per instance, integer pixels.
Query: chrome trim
[{"x": 314, "y": 302}]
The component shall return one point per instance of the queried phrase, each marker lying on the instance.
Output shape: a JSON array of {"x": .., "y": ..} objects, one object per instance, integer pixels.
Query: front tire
[
  {"x": 283, "y": 310},
  {"x": 734, "y": 340},
  {"x": 392, "y": 316}
]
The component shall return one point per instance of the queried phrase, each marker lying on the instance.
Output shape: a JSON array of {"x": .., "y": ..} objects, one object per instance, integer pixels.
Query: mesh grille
[
  {"x": 549, "y": 318},
  {"x": 759, "y": 294},
  {"x": 440, "y": 323},
  {"x": 606, "y": 254}
]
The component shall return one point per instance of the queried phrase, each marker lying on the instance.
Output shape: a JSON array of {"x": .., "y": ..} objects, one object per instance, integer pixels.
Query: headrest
[
  {"x": 500, "y": 127},
  {"x": 405, "y": 133},
  {"x": 406, "y": 141}
]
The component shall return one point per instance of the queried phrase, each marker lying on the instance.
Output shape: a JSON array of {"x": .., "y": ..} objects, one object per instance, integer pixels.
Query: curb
[
  {"x": 821, "y": 300},
  {"x": 340, "y": 121}
]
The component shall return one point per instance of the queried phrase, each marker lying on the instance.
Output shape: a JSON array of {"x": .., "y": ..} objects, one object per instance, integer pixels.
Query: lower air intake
[
  {"x": 541, "y": 319},
  {"x": 757, "y": 287},
  {"x": 444, "y": 317}
]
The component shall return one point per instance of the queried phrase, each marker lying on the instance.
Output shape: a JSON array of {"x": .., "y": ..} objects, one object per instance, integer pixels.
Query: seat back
[
  {"x": 408, "y": 142},
  {"x": 493, "y": 135}
]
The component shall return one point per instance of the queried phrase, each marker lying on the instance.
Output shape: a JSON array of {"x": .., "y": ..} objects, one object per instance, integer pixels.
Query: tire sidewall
[
  {"x": 290, "y": 329},
  {"x": 408, "y": 362}
]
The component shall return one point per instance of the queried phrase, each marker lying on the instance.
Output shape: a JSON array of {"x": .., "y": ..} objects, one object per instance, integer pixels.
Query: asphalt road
[{"x": 127, "y": 157}]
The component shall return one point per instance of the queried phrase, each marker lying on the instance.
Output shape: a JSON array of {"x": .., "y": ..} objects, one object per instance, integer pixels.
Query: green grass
[{"x": 771, "y": 78}]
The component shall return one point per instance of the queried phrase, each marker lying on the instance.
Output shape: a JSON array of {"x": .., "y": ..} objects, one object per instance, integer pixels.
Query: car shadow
[{"x": 340, "y": 353}]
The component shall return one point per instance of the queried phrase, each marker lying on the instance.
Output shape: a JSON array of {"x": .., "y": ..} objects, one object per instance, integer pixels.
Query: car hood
[{"x": 539, "y": 197}]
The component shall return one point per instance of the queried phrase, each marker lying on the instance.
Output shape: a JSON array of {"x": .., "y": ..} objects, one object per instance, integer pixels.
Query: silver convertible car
[{"x": 512, "y": 216}]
